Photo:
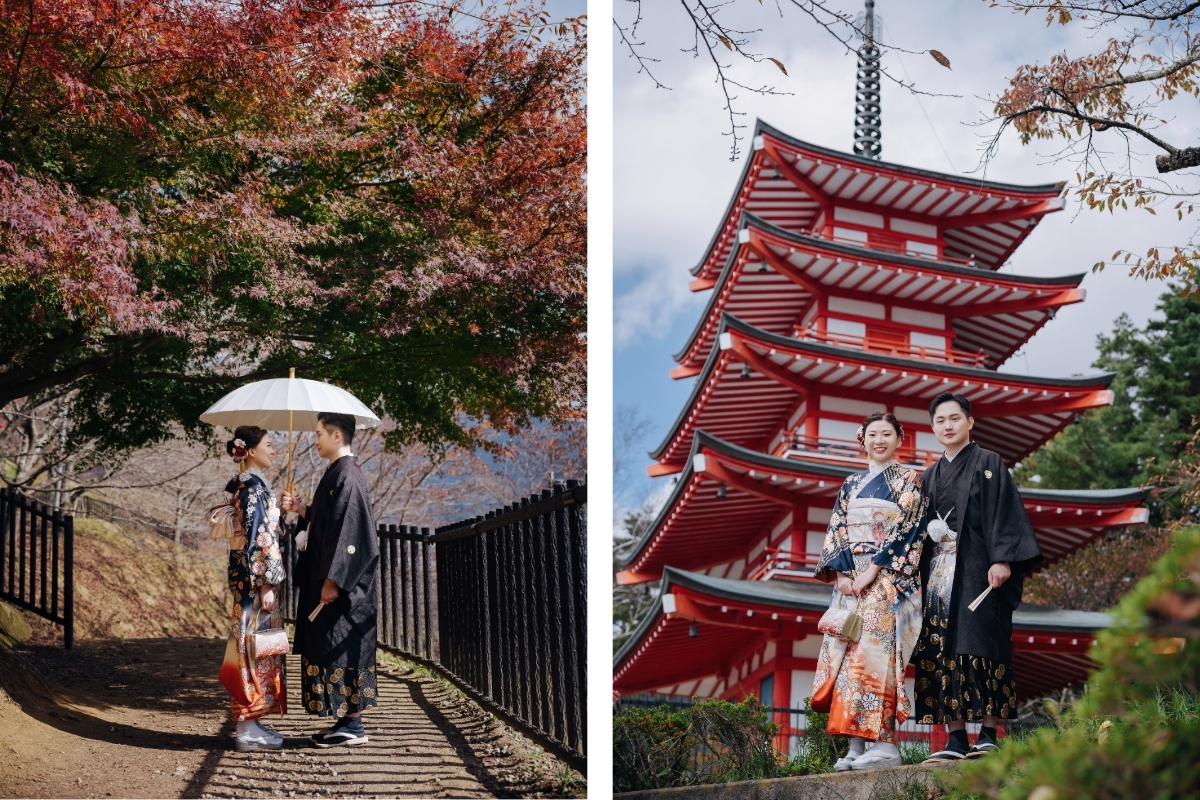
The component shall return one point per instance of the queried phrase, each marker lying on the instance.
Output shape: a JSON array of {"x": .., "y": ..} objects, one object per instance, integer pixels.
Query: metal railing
[
  {"x": 793, "y": 722},
  {"x": 787, "y": 564},
  {"x": 37, "y": 560},
  {"x": 897, "y": 246},
  {"x": 870, "y": 344},
  {"x": 498, "y": 605},
  {"x": 511, "y": 594},
  {"x": 407, "y": 600}
]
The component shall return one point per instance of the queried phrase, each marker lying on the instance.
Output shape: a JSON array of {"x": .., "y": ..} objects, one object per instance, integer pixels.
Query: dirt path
[{"x": 147, "y": 718}]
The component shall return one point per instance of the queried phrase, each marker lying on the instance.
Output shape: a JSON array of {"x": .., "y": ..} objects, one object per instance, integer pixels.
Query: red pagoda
[{"x": 840, "y": 285}]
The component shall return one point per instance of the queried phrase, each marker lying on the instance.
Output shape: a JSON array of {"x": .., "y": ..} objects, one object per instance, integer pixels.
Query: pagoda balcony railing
[
  {"x": 883, "y": 347},
  {"x": 898, "y": 247},
  {"x": 847, "y": 450},
  {"x": 784, "y": 564}
]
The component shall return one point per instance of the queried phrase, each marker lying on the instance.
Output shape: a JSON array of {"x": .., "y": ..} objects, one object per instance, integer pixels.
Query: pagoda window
[
  {"x": 838, "y": 430},
  {"x": 922, "y": 249},
  {"x": 851, "y": 409},
  {"x": 924, "y": 341},
  {"x": 766, "y": 691},
  {"x": 858, "y": 218},
  {"x": 887, "y": 242},
  {"x": 924, "y": 319},
  {"x": 845, "y": 328},
  {"x": 889, "y": 341},
  {"x": 914, "y": 228},
  {"x": 858, "y": 308},
  {"x": 851, "y": 235}
]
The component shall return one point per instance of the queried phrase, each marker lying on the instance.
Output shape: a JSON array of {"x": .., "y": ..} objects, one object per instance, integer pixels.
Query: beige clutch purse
[
  {"x": 262, "y": 644},
  {"x": 841, "y": 622}
]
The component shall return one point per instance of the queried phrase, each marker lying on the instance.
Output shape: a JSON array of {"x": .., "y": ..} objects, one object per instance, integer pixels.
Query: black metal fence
[
  {"x": 511, "y": 592},
  {"x": 498, "y": 605},
  {"x": 793, "y": 723},
  {"x": 37, "y": 557},
  {"x": 407, "y": 600}
]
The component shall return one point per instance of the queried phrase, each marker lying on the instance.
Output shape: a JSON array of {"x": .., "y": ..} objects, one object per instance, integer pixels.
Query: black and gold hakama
[{"x": 337, "y": 692}]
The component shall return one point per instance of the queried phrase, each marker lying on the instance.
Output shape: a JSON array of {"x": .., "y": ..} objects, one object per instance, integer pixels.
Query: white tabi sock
[
  {"x": 857, "y": 746},
  {"x": 884, "y": 749},
  {"x": 249, "y": 727}
]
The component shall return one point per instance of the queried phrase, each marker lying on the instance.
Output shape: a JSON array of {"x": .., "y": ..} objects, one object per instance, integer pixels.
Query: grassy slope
[{"x": 130, "y": 585}]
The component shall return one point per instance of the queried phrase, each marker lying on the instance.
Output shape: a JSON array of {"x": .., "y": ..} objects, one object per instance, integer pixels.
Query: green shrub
[
  {"x": 1136, "y": 731},
  {"x": 712, "y": 741},
  {"x": 818, "y": 750}
]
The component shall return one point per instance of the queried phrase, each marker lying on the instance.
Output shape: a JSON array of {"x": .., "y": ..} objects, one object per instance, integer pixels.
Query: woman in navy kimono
[
  {"x": 255, "y": 570},
  {"x": 873, "y": 551}
]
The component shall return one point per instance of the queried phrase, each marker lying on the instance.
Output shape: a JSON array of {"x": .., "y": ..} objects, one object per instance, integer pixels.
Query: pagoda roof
[
  {"x": 982, "y": 219},
  {"x": 697, "y": 528},
  {"x": 990, "y": 312},
  {"x": 1049, "y": 644},
  {"x": 1014, "y": 414}
]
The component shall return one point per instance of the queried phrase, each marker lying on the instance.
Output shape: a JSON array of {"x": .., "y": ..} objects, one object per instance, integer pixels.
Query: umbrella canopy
[{"x": 286, "y": 404}]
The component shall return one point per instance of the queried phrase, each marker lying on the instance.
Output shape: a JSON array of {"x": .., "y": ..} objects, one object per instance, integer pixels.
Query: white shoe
[
  {"x": 843, "y": 763},
  {"x": 259, "y": 738},
  {"x": 873, "y": 760}
]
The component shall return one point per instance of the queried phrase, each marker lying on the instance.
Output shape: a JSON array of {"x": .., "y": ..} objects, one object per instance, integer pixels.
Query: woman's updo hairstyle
[
  {"x": 876, "y": 416},
  {"x": 245, "y": 438}
]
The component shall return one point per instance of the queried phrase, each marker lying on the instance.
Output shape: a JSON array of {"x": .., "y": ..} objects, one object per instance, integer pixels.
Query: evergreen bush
[
  {"x": 1136, "y": 731},
  {"x": 712, "y": 741}
]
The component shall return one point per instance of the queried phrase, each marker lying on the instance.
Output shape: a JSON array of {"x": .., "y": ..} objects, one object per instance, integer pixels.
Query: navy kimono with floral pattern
[
  {"x": 877, "y": 519},
  {"x": 259, "y": 688}
]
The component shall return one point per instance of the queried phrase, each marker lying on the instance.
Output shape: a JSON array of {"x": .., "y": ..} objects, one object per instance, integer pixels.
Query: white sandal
[
  {"x": 843, "y": 763},
  {"x": 870, "y": 760}
]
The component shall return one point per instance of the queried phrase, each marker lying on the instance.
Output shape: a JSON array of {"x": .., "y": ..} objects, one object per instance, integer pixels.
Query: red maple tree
[{"x": 195, "y": 193}]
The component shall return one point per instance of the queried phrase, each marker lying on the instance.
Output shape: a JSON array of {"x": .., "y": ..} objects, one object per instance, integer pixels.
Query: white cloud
[{"x": 673, "y": 178}]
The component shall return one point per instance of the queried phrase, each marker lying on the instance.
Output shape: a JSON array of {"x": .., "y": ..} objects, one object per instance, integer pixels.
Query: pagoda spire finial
[{"x": 866, "y": 94}]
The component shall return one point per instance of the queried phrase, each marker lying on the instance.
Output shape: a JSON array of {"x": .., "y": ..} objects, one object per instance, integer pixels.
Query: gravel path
[{"x": 147, "y": 718}]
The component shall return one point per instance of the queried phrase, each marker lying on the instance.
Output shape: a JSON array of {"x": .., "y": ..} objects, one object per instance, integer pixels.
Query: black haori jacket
[
  {"x": 994, "y": 529},
  {"x": 342, "y": 547}
]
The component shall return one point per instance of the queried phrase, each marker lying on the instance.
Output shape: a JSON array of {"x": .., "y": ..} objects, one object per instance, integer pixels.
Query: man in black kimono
[
  {"x": 980, "y": 540},
  {"x": 336, "y": 617}
]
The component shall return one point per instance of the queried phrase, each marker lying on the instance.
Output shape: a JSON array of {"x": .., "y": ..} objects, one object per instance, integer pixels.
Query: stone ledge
[{"x": 874, "y": 784}]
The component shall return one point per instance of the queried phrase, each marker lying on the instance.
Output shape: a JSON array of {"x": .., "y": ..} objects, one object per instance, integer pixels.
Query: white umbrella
[{"x": 286, "y": 404}]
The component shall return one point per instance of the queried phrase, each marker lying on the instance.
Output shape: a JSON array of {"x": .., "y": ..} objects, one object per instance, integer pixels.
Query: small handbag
[
  {"x": 841, "y": 622},
  {"x": 262, "y": 644}
]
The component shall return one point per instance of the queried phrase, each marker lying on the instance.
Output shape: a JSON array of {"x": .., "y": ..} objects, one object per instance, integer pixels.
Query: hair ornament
[
  {"x": 239, "y": 450},
  {"x": 861, "y": 433}
]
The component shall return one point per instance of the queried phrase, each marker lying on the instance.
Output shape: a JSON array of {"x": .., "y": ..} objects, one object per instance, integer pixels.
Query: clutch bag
[
  {"x": 842, "y": 623},
  {"x": 262, "y": 644}
]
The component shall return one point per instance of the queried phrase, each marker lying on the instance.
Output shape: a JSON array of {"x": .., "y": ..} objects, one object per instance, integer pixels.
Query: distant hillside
[{"x": 130, "y": 585}]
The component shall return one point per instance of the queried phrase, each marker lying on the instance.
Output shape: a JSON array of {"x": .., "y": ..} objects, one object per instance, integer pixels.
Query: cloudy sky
[{"x": 673, "y": 177}]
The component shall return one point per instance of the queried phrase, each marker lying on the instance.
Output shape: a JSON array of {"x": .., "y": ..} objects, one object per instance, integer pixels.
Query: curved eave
[
  {"x": 768, "y": 340},
  {"x": 1035, "y": 191},
  {"x": 704, "y": 441},
  {"x": 900, "y": 259},
  {"x": 1053, "y": 628},
  {"x": 1098, "y": 381},
  {"x": 993, "y": 252},
  {"x": 1065, "y": 520},
  {"x": 1098, "y": 497},
  {"x": 940, "y": 268}
]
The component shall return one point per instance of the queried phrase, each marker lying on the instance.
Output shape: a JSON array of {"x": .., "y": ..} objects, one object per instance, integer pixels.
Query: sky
[{"x": 673, "y": 176}]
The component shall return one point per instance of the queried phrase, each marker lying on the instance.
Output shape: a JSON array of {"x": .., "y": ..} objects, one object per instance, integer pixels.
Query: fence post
[
  {"x": 427, "y": 557},
  {"x": 69, "y": 584}
]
